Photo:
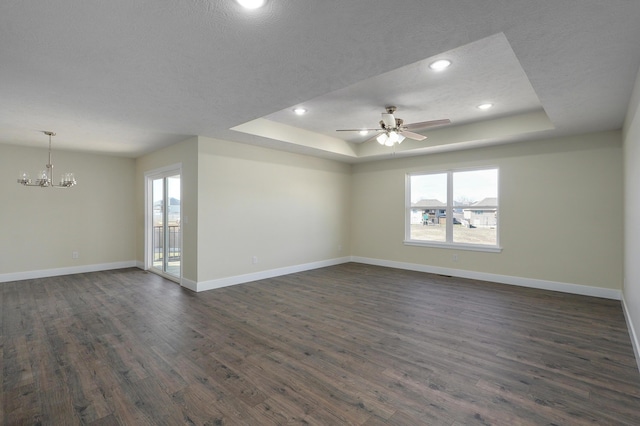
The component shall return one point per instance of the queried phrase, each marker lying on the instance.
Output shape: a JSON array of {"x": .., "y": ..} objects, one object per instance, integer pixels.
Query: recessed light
[
  {"x": 364, "y": 132},
  {"x": 251, "y": 4},
  {"x": 300, "y": 111},
  {"x": 484, "y": 106},
  {"x": 440, "y": 64}
]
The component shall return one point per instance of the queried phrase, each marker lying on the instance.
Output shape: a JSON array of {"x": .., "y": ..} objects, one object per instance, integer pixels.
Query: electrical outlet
[
  {"x": 75, "y": 255},
  {"x": 339, "y": 247},
  {"x": 455, "y": 257},
  {"x": 254, "y": 260}
]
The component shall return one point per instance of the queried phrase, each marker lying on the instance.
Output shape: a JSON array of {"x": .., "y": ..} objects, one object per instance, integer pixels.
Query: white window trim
[
  {"x": 454, "y": 246},
  {"x": 449, "y": 244}
]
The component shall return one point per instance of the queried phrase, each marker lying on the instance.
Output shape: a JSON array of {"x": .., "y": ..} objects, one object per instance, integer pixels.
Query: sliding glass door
[{"x": 164, "y": 232}]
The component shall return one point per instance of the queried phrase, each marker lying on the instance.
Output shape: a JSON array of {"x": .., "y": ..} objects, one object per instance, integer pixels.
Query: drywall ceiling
[{"x": 130, "y": 77}]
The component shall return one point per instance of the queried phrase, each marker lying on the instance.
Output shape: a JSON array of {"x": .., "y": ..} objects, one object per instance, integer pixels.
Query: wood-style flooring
[{"x": 349, "y": 344}]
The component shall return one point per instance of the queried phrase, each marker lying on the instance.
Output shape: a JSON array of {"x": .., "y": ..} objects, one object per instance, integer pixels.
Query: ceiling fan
[{"x": 393, "y": 130}]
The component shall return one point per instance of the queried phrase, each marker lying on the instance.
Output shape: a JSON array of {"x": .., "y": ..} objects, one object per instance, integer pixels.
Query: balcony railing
[{"x": 159, "y": 241}]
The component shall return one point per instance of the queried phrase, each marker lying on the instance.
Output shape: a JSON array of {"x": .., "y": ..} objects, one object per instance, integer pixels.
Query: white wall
[
  {"x": 631, "y": 289},
  {"x": 285, "y": 209},
  {"x": 41, "y": 227},
  {"x": 560, "y": 211}
]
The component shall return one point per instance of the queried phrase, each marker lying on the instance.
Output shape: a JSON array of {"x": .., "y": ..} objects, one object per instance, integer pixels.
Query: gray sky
[{"x": 473, "y": 185}]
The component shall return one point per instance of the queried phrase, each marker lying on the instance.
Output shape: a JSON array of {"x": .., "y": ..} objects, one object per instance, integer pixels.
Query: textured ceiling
[
  {"x": 482, "y": 71},
  {"x": 129, "y": 77}
]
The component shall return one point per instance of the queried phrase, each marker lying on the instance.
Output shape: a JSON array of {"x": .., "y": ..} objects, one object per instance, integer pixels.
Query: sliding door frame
[{"x": 149, "y": 177}]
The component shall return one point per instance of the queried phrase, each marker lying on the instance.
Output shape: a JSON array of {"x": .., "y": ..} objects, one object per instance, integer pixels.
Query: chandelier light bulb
[{"x": 24, "y": 178}]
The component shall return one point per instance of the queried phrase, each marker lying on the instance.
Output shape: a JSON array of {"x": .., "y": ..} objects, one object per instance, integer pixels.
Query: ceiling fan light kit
[
  {"x": 393, "y": 130},
  {"x": 251, "y": 4},
  {"x": 45, "y": 177},
  {"x": 390, "y": 138}
]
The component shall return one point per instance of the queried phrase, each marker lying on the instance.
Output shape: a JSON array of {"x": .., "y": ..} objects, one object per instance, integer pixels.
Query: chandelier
[{"x": 45, "y": 177}]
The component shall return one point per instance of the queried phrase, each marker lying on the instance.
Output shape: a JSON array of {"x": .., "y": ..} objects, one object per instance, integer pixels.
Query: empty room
[{"x": 268, "y": 212}]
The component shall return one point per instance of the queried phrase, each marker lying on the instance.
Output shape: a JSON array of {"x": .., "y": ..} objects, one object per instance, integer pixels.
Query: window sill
[{"x": 453, "y": 246}]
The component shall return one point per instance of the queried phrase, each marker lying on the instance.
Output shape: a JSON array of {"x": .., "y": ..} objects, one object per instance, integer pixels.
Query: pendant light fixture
[{"x": 45, "y": 177}]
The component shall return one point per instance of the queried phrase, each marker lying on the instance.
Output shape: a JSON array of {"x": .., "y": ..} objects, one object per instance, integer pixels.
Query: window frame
[{"x": 449, "y": 243}]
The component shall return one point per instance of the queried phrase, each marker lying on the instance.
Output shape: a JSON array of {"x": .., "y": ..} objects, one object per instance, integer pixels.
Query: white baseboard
[
  {"x": 189, "y": 284},
  {"x": 44, "y": 273},
  {"x": 239, "y": 279},
  {"x": 635, "y": 342},
  {"x": 583, "y": 290},
  {"x": 245, "y": 278}
]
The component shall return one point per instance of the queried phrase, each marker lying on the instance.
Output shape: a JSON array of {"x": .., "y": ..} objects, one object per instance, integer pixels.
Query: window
[{"x": 453, "y": 208}]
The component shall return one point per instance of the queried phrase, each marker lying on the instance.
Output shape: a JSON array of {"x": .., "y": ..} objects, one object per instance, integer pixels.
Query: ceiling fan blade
[
  {"x": 414, "y": 136},
  {"x": 389, "y": 120},
  {"x": 368, "y": 140},
  {"x": 359, "y": 130},
  {"x": 425, "y": 124}
]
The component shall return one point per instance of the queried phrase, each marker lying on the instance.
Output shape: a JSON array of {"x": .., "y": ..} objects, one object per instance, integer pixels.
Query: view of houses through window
[{"x": 453, "y": 207}]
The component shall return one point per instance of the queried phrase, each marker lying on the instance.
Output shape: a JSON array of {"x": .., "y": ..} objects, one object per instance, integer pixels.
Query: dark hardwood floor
[{"x": 350, "y": 344}]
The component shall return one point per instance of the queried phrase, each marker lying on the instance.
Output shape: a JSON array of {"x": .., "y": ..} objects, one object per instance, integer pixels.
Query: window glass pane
[
  {"x": 157, "y": 194},
  {"x": 173, "y": 226},
  {"x": 475, "y": 207},
  {"x": 166, "y": 228},
  {"x": 428, "y": 207}
]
